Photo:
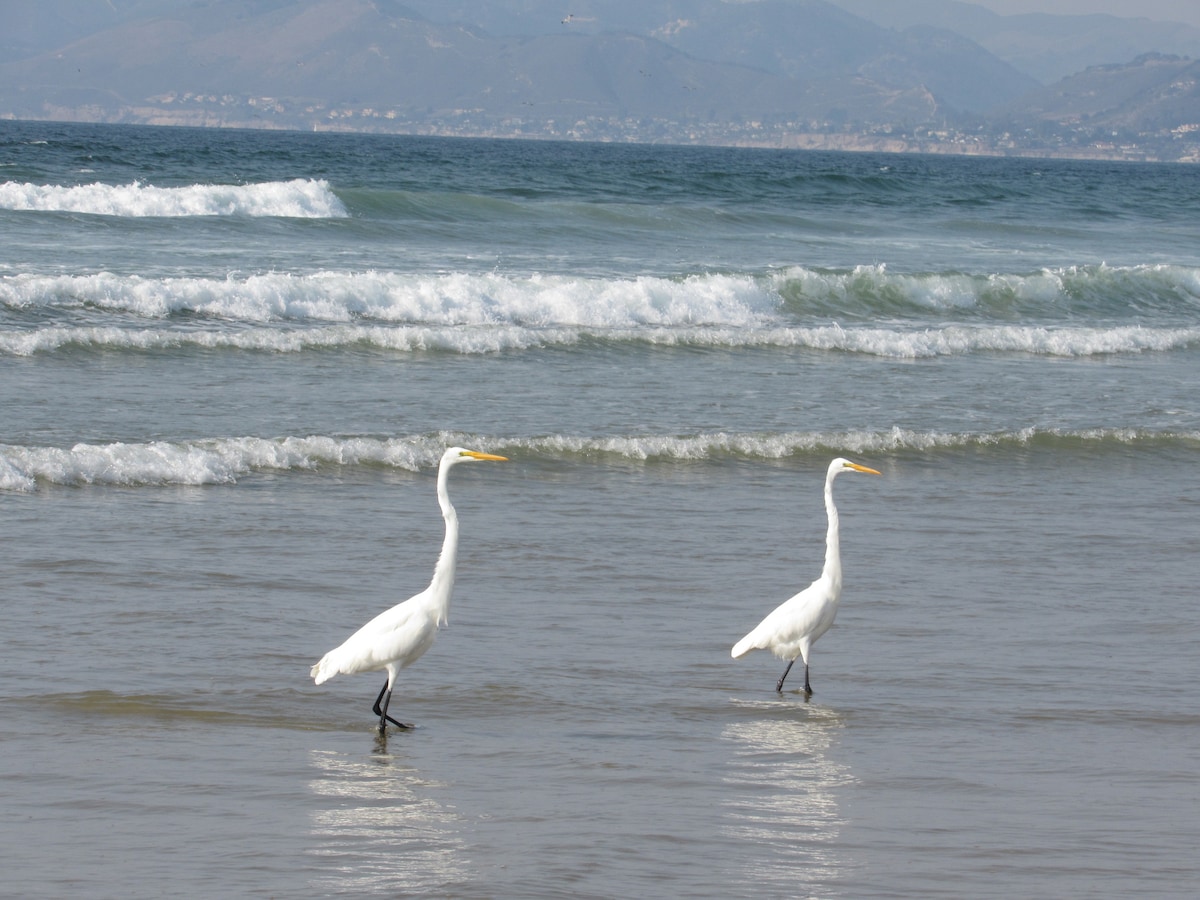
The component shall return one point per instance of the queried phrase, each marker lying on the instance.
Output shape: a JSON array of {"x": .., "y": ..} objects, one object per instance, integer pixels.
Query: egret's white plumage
[
  {"x": 398, "y": 637},
  {"x": 791, "y": 629}
]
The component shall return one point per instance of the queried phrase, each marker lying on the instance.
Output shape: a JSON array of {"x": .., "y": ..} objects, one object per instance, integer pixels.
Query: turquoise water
[{"x": 229, "y": 362}]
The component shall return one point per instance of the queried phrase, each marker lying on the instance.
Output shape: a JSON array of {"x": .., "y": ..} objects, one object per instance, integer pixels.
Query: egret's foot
[{"x": 381, "y": 707}]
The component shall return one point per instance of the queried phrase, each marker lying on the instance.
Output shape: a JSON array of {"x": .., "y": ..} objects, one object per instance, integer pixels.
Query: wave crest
[
  {"x": 226, "y": 460},
  {"x": 791, "y": 444},
  {"x": 485, "y": 313},
  {"x": 452, "y": 299},
  {"x": 1103, "y": 290},
  {"x": 473, "y": 340},
  {"x": 298, "y": 198},
  {"x": 214, "y": 461}
]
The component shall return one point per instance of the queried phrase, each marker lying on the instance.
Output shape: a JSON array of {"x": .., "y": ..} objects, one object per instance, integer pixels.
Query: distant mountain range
[
  {"x": 931, "y": 75},
  {"x": 1047, "y": 47}
]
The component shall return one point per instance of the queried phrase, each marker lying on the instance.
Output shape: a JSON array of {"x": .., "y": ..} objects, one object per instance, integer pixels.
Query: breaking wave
[
  {"x": 452, "y": 299},
  {"x": 891, "y": 343},
  {"x": 1093, "y": 291},
  {"x": 865, "y": 311},
  {"x": 299, "y": 199},
  {"x": 226, "y": 460}
]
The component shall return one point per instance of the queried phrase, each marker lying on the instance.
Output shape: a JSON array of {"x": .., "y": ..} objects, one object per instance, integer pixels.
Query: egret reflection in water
[
  {"x": 784, "y": 809},
  {"x": 380, "y": 830}
]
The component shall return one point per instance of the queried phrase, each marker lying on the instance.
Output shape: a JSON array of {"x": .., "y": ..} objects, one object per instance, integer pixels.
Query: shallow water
[{"x": 999, "y": 709}]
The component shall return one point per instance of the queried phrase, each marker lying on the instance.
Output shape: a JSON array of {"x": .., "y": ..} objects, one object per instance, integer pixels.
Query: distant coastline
[{"x": 953, "y": 80}]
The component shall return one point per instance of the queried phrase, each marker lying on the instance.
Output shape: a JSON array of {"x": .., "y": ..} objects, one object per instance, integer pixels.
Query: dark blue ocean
[{"x": 229, "y": 362}]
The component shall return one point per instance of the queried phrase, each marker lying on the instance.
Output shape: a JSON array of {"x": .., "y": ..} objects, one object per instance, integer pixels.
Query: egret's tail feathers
[
  {"x": 745, "y": 645},
  {"x": 324, "y": 670}
]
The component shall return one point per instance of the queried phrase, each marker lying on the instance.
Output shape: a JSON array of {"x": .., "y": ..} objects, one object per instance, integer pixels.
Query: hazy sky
[{"x": 1170, "y": 10}]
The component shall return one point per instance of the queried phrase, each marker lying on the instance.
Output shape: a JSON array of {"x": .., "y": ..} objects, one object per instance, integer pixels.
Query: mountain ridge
[{"x": 768, "y": 73}]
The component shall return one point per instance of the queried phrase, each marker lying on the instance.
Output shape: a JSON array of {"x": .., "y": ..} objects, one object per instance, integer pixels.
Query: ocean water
[{"x": 229, "y": 362}]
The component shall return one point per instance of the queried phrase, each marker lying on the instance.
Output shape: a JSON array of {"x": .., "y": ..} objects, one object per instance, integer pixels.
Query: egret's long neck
[
  {"x": 443, "y": 573},
  {"x": 833, "y": 557}
]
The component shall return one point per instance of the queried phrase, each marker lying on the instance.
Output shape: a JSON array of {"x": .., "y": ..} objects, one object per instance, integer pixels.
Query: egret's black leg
[
  {"x": 779, "y": 686},
  {"x": 381, "y": 711},
  {"x": 807, "y": 686}
]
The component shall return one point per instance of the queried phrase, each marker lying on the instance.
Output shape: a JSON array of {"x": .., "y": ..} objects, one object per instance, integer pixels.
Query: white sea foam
[
  {"x": 486, "y": 313},
  {"x": 453, "y": 299},
  {"x": 959, "y": 340},
  {"x": 402, "y": 339},
  {"x": 782, "y": 445},
  {"x": 779, "y": 445},
  {"x": 482, "y": 339},
  {"x": 226, "y": 460},
  {"x": 13, "y": 478},
  {"x": 299, "y": 198},
  {"x": 215, "y": 461}
]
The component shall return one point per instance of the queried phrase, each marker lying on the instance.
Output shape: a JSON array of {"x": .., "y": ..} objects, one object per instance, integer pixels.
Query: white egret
[
  {"x": 399, "y": 636},
  {"x": 793, "y": 627}
]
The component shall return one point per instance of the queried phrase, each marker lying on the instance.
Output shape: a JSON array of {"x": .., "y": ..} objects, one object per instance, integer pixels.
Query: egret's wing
[
  {"x": 397, "y": 635},
  {"x": 786, "y": 625},
  {"x": 405, "y": 641}
]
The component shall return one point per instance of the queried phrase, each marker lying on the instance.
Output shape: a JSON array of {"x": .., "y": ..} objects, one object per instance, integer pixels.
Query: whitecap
[
  {"x": 210, "y": 461},
  {"x": 298, "y": 198},
  {"x": 216, "y": 461},
  {"x": 453, "y": 299}
]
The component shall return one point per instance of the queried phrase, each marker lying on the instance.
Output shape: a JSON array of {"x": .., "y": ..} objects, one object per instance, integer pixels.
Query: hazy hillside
[
  {"x": 1153, "y": 92},
  {"x": 817, "y": 41},
  {"x": 807, "y": 40},
  {"x": 30, "y": 27},
  {"x": 1046, "y": 47},
  {"x": 301, "y": 61}
]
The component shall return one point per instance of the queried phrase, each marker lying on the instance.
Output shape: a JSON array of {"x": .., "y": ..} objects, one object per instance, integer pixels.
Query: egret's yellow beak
[
  {"x": 857, "y": 468},
  {"x": 475, "y": 454}
]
